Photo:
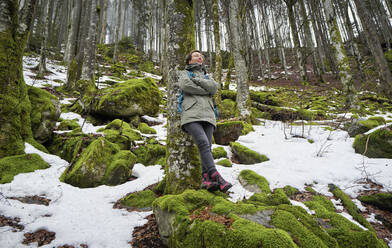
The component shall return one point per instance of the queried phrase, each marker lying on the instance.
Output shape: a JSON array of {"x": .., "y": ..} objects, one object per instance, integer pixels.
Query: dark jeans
[{"x": 201, "y": 133}]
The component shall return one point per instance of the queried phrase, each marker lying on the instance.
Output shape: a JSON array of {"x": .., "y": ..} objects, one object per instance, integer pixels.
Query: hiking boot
[
  {"x": 208, "y": 184},
  {"x": 223, "y": 184}
]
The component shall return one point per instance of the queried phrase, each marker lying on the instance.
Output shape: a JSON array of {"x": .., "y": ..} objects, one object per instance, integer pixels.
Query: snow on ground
[{"x": 86, "y": 216}]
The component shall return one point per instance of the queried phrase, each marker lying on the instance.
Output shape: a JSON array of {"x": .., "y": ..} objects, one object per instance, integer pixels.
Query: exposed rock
[
  {"x": 227, "y": 132},
  {"x": 381, "y": 200},
  {"x": 262, "y": 217}
]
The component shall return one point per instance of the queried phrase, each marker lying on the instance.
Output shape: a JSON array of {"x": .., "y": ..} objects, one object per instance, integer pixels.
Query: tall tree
[
  {"x": 183, "y": 165},
  {"x": 73, "y": 32},
  {"x": 236, "y": 17},
  {"x": 117, "y": 32},
  {"x": 373, "y": 41},
  {"x": 44, "y": 39},
  {"x": 15, "y": 125},
  {"x": 340, "y": 55},
  {"x": 218, "y": 56}
]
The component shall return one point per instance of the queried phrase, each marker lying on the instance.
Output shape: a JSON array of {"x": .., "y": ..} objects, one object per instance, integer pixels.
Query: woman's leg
[{"x": 202, "y": 137}]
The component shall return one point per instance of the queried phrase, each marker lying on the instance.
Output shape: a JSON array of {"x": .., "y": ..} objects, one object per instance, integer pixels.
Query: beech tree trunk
[
  {"x": 44, "y": 40},
  {"x": 73, "y": 32},
  {"x": 218, "y": 57},
  {"x": 241, "y": 70},
  {"x": 15, "y": 124},
  {"x": 117, "y": 32},
  {"x": 183, "y": 169},
  {"x": 340, "y": 55}
]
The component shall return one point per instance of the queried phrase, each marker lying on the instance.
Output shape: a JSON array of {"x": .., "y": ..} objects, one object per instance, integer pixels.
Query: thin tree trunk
[
  {"x": 117, "y": 32},
  {"x": 218, "y": 57},
  {"x": 44, "y": 40},
  {"x": 88, "y": 68},
  {"x": 73, "y": 32}
]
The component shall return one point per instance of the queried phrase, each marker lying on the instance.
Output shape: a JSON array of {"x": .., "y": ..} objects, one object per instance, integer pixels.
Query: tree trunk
[
  {"x": 374, "y": 44},
  {"x": 44, "y": 40},
  {"x": 104, "y": 14},
  {"x": 218, "y": 57},
  {"x": 340, "y": 55},
  {"x": 294, "y": 31},
  {"x": 117, "y": 32},
  {"x": 15, "y": 124},
  {"x": 88, "y": 68},
  {"x": 241, "y": 70},
  {"x": 183, "y": 169},
  {"x": 73, "y": 32}
]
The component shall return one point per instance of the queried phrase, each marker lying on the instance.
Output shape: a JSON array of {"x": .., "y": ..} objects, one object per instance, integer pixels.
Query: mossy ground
[
  {"x": 142, "y": 199},
  {"x": 14, "y": 165},
  {"x": 377, "y": 144}
]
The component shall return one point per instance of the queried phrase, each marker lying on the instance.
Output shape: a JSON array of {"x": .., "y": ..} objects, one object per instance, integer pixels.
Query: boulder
[
  {"x": 245, "y": 155},
  {"x": 379, "y": 144},
  {"x": 102, "y": 162},
  {"x": 121, "y": 133},
  {"x": 150, "y": 154},
  {"x": 45, "y": 111},
  {"x": 219, "y": 152},
  {"x": 130, "y": 98},
  {"x": 228, "y": 131}
]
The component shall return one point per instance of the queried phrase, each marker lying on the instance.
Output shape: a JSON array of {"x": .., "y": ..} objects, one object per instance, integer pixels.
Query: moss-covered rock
[
  {"x": 362, "y": 126},
  {"x": 144, "y": 128},
  {"x": 377, "y": 143},
  {"x": 69, "y": 146},
  {"x": 68, "y": 125},
  {"x": 288, "y": 114},
  {"x": 150, "y": 154},
  {"x": 102, "y": 162},
  {"x": 254, "y": 182},
  {"x": 141, "y": 200},
  {"x": 13, "y": 165},
  {"x": 45, "y": 111},
  {"x": 229, "y": 131},
  {"x": 179, "y": 230},
  {"x": 121, "y": 133},
  {"x": 245, "y": 155},
  {"x": 381, "y": 200},
  {"x": 265, "y": 97},
  {"x": 290, "y": 191},
  {"x": 219, "y": 152},
  {"x": 133, "y": 97},
  {"x": 225, "y": 162},
  {"x": 346, "y": 233}
]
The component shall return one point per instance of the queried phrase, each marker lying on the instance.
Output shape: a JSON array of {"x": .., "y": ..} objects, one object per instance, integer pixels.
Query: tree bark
[
  {"x": 218, "y": 57},
  {"x": 73, "y": 32},
  {"x": 183, "y": 169},
  {"x": 88, "y": 68},
  {"x": 241, "y": 70},
  {"x": 44, "y": 40},
  {"x": 340, "y": 55},
  {"x": 117, "y": 32},
  {"x": 15, "y": 124}
]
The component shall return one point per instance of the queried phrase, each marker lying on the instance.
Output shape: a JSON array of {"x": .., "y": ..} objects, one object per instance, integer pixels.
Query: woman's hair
[{"x": 189, "y": 56}]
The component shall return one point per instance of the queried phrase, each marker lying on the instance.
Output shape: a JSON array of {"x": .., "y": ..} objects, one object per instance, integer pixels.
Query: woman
[{"x": 198, "y": 116}]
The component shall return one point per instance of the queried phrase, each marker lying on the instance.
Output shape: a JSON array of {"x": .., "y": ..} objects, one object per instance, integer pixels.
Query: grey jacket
[{"x": 197, "y": 104}]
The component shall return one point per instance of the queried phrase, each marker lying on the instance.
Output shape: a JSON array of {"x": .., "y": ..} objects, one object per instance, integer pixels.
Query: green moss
[
  {"x": 141, "y": 199},
  {"x": 246, "y": 155},
  {"x": 229, "y": 94},
  {"x": 379, "y": 144},
  {"x": 303, "y": 237},
  {"x": 269, "y": 199},
  {"x": 346, "y": 233},
  {"x": 132, "y": 97},
  {"x": 247, "y": 128},
  {"x": 101, "y": 162},
  {"x": 252, "y": 178},
  {"x": 68, "y": 125},
  {"x": 14, "y": 165},
  {"x": 290, "y": 191},
  {"x": 265, "y": 97},
  {"x": 150, "y": 154},
  {"x": 225, "y": 162},
  {"x": 227, "y": 109},
  {"x": 120, "y": 133},
  {"x": 381, "y": 200},
  {"x": 219, "y": 152},
  {"x": 350, "y": 206},
  {"x": 71, "y": 145},
  {"x": 144, "y": 128},
  {"x": 118, "y": 70},
  {"x": 310, "y": 189},
  {"x": 369, "y": 124}
]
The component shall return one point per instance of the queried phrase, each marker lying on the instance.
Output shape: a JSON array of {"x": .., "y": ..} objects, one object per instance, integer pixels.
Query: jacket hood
[{"x": 196, "y": 67}]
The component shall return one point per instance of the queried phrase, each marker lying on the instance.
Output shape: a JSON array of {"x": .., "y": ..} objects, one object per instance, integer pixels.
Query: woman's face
[{"x": 197, "y": 58}]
